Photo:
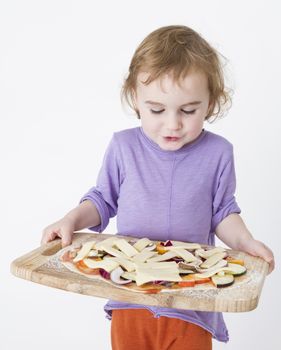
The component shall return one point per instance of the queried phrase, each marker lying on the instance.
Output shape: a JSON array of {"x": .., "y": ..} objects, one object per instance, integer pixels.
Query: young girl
[{"x": 167, "y": 179}]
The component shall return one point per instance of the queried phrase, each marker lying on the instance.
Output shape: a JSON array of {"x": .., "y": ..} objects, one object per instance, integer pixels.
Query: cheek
[
  {"x": 195, "y": 122},
  {"x": 150, "y": 121}
]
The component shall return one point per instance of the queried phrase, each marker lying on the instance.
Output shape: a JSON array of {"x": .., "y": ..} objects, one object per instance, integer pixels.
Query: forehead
[{"x": 194, "y": 84}]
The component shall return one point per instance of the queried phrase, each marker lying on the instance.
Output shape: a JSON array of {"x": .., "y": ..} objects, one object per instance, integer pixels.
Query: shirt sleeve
[
  {"x": 224, "y": 202},
  {"x": 106, "y": 192}
]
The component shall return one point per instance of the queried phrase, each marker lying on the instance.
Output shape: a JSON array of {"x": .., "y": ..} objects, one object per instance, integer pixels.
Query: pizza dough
[{"x": 143, "y": 265}]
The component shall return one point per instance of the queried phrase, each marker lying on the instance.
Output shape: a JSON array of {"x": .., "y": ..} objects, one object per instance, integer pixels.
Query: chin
[{"x": 170, "y": 147}]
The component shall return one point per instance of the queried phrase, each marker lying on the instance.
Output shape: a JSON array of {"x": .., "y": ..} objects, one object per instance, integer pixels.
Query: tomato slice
[
  {"x": 152, "y": 291},
  {"x": 187, "y": 281},
  {"x": 150, "y": 288},
  {"x": 202, "y": 280},
  {"x": 190, "y": 283},
  {"x": 66, "y": 256},
  {"x": 81, "y": 266}
]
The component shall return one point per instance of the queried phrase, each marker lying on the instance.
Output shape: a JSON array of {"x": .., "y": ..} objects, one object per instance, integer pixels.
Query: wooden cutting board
[{"x": 42, "y": 266}]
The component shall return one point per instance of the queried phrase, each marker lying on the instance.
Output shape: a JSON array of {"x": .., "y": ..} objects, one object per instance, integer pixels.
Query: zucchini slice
[
  {"x": 235, "y": 269},
  {"x": 223, "y": 281}
]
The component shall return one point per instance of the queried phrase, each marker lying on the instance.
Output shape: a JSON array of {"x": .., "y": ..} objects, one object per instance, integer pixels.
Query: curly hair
[{"x": 177, "y": 49}]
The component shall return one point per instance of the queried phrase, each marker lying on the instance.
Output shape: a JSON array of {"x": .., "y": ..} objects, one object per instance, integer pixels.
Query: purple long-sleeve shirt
[{"x": 179, "y": 195}]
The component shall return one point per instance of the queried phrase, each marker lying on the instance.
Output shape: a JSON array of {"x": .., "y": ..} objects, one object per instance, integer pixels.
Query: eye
[
  {"x": 156, "y": 112},
  {"x": 186, "y": 112},
  {"x": 189, "y": 112}
]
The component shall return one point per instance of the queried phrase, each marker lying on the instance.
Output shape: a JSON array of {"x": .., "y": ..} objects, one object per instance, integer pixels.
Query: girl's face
[{"x": 173, "y": 116}]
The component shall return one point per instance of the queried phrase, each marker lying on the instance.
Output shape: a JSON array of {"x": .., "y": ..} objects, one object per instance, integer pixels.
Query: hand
[
  {"x": 63, "y": 228},
  {"x": 258, "y": 248}
]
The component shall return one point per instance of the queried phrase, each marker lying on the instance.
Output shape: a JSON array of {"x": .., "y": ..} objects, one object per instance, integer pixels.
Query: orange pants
[{"x": 138, "y": 329}]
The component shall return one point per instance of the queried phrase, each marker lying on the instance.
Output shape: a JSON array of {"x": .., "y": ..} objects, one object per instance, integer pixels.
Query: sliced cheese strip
[
  {"x": 143, "y": 256},
  {"x": 127, "y": 264},
  {"x": 187, "y": 256},
  {"x": 220, "y": 266},
  {"x": 94, "y": 252},
  {"x": 183, "y": 245},
  {"x": 208, "y": 253},
  {"x": 107, "y": 265},
  {"x": 176, "y": 252},
  {"x": 185, "y": 271},
  {"x": 83, "y": 252},
  {"x": 114, "y": 252},
  {"x": 148, "y": 275},
  {"x": 108, "y": 242},
  {"x": 157, "y": 265},
  {"x": 126, "y": 247},
  {"x": 209, "y": 273},
  {"x": 221, "y": 263},
  {"x": 163, "y": 257},
  {"x": 213, "y": 259},
  {"x": 129, "y": 275},
  {"x": 142, "y": 243}
]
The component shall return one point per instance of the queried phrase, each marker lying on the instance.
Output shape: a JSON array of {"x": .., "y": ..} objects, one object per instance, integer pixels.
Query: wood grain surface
[{"x": 42, "y": 266}]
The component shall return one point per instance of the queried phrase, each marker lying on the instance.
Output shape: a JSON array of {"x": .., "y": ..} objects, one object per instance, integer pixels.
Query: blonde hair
[{"x": 177, "y": 49}]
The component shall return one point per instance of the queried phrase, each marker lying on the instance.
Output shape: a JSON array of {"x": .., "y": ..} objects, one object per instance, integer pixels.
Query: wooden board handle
[
  {"x": 51, "y": 248},
  {"x": 39, "y": 256},
  {"x": 19, "y": 266}
]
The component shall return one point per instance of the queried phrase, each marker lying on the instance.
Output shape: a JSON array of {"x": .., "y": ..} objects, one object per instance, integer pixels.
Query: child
[{"x": 168, "y": 179}]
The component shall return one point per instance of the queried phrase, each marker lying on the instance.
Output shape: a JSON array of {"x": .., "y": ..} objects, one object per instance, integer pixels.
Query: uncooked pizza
[{"x": 142, "y": 265}]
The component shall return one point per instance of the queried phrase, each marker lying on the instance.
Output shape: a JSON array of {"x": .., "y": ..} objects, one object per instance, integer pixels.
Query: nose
[{"x": 173, "y": 122}]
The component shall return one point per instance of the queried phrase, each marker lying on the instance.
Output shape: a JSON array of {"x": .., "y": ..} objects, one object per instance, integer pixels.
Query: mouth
[{"x": 171, "y": 138}]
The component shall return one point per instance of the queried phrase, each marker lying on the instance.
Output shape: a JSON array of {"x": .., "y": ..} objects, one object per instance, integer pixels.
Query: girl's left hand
[{"x": 259, "y": 249}]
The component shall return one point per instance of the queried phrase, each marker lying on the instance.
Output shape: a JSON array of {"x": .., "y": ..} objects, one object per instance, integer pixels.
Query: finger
[
  {"x": 271, "y": 265},
  {"x": 66, "y": 239},
  {"x": 48, "y": 237},
  {"x": 269, "y": 258},
  {"x": 266, "y": 253},
  {"x": 44, "y": 239}
]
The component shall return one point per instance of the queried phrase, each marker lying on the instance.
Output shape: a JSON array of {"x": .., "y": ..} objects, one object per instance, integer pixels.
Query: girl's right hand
[{"x": 63, "y": 228}]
